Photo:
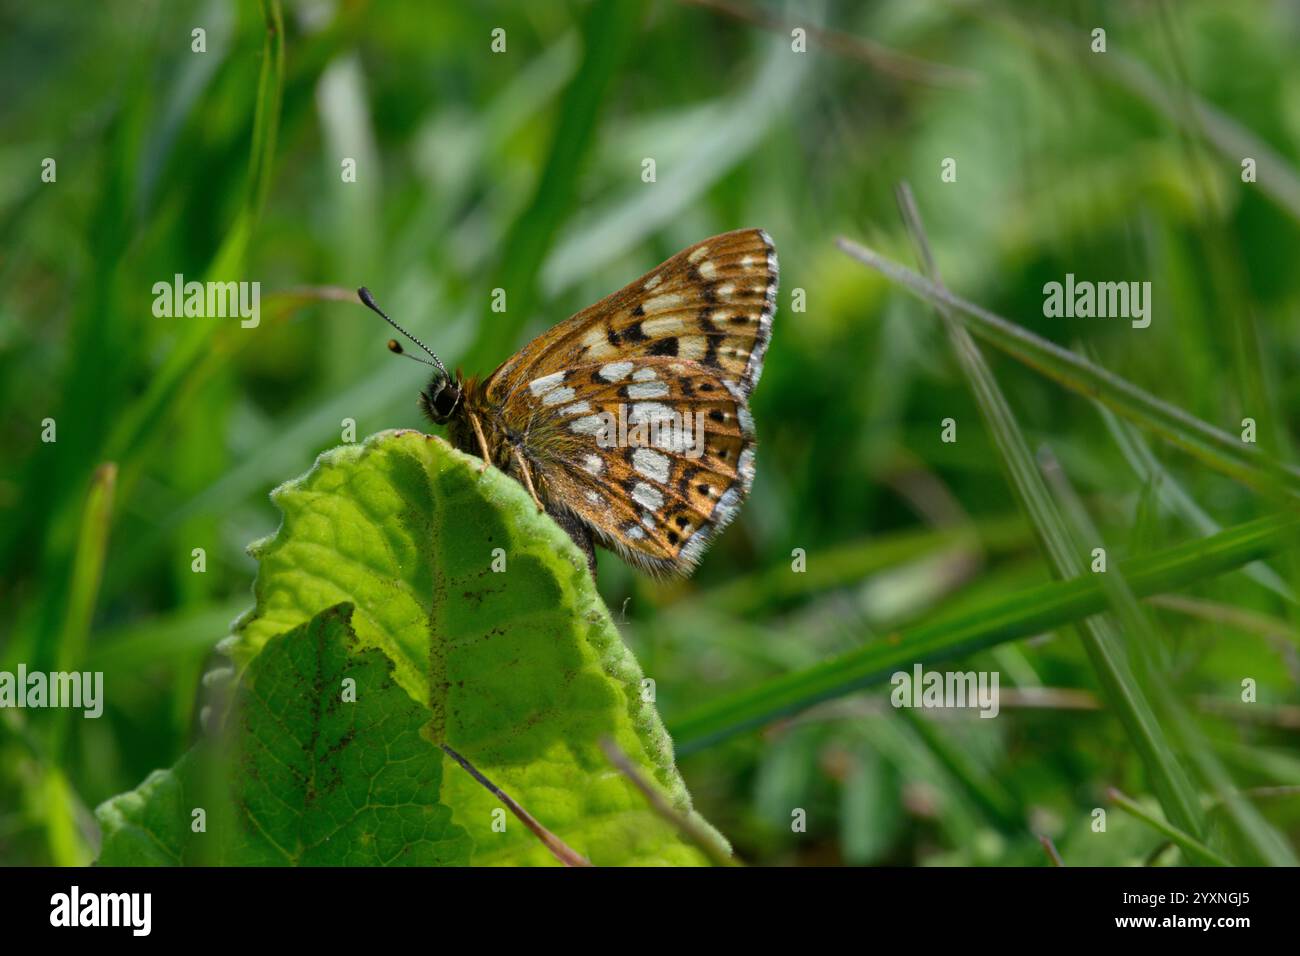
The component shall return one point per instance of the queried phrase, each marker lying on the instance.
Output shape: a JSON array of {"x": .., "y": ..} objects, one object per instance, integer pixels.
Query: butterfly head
[{"x": 441, "y": 398}]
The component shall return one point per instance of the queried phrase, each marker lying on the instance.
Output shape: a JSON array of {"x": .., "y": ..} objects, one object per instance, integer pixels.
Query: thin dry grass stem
[
  {"x": 1050, "y": 849},
  {"x": 684, "y": 824},
  {"x": 559, "y": 849},
  {"x": 875, "y": 55}
]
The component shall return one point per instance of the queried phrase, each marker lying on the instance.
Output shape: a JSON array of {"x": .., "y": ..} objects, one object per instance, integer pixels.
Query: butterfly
[{"x": 629, "y": 422}]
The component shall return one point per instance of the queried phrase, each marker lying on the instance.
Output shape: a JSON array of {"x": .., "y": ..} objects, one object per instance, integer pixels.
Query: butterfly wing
[
  {"x": 668, "y": 363},
  {"x": 655, "y": 455},
  {"x": 712, "y": 303}
]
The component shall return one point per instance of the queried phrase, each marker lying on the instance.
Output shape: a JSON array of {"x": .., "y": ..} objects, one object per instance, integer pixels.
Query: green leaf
[
  {"x": 303, "y": 777},
  {"x": 522, "y": 671}
]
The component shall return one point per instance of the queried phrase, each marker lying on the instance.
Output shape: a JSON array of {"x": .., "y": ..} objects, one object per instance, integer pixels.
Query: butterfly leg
[
  {"x": 482, "y": 442},
  {"x": 527, "y": 477}
]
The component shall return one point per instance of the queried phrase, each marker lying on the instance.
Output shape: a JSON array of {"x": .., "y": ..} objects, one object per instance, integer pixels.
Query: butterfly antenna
[
  {"x": 368, "y": 301},
  {"x": 395, "y": 347}
]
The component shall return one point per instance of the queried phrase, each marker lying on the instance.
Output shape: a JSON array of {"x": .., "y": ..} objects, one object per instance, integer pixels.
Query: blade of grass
[
  {"x": 1193, "y": 846},
  {"x": 739, "y": 123},
  {"x": 1278, "y": 179},
  {"x": 1265, "y": 845},
  {"x": 984, "y": 789},
  {"x": 1137, "y": 452},
  {"x": 66, "y": 844},
  {"x": 607, "y": 33},
  {"x": 1101, "y": 641},
  {"x": 87, "y": 568},
  {"x": 185, "y": 634},
  {"x": 1215, "y": 447},
  {"x": 143, "y": 418},
  {"x": 850, "y": 563},
  {"x": 279, "y": 454},
  {"x": 994, "y": 622}
]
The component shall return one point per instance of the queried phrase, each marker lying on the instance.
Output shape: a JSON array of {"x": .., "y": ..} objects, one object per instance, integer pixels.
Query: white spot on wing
[
  {"x": 597, "y": 343},
  {"x": 658, "y": 328},
  {"x": 557, "y": 395},
  {"x": 647, "y": 496},
  {"x": 615, "y": 371},
  {"x": 593, "y": 464},
  {"x": 651, "y": 464},
  {"x": 654, "y": 390},
  {"x": 662, "y": 303},
  {"x": 693, "y": 348},
  {"x": 540, "y": 386},
  {"x": 648, "y": 412}
]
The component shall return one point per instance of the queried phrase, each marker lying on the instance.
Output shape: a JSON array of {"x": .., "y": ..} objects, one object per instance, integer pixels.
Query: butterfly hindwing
[{"x": 654, "y": 454}]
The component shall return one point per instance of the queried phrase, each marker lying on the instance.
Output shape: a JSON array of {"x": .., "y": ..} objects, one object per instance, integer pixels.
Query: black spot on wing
[
  {"x": 689, "y": 472},
  {"x": 711, "y": 355}
]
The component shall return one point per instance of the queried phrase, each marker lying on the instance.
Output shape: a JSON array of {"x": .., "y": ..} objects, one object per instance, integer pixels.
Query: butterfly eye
[
  {"x": 445, "y": 401},
  {"x": 439, "y": 399}
]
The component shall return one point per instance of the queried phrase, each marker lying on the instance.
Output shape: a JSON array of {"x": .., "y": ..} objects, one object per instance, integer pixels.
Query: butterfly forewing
[{"x": 712, "y": 303}]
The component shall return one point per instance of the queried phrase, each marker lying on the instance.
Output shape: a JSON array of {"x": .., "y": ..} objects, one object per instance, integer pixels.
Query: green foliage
[
  {"x": 475, "y": 619},
  {"x": 521, "y": 170},
  {"x": 988, "y": 623},
  {"x": 305, "y": 779}
]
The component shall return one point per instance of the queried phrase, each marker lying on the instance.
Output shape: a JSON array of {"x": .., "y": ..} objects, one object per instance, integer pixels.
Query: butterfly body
[{"x": 629, "y": 422}]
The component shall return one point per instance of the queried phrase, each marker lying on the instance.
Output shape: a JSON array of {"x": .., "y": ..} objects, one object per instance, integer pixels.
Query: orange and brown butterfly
[{"x": 629, "y": 422}]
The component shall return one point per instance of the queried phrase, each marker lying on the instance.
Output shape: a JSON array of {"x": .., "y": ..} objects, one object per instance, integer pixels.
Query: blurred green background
[{"x": 522, "y": 170}]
